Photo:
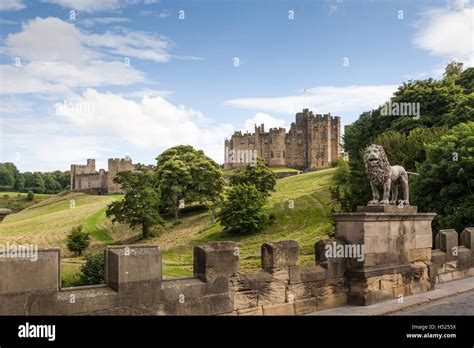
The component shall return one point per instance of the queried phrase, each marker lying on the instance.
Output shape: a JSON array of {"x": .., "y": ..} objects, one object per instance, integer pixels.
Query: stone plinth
[{"x": 397, "y": 251}]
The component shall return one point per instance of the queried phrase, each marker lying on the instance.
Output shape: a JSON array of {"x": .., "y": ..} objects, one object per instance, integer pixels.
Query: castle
[
  {"x": 312, "y": 142},
  {"x": 85, "y": 178}
]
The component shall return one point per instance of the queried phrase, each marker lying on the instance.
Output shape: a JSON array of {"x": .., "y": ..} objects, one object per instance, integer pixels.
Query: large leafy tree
[
  {"x": 243, "y": 210},
  {"x": 140, "y": 206},
  {"x": 443, "y": 104},
  {"x": 257, "y": 174},
  {"x": 187, "y": 175},
  {"x": 446, "y": 181}
]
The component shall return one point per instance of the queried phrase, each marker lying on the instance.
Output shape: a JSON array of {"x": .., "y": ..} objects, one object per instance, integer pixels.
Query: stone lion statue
[{"x": 382, "y": 175}]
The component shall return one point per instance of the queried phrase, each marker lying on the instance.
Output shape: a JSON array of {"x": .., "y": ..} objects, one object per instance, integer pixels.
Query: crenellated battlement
[
  {"x": 300, "y": 147},
  {"x": 134, "y": 282}
]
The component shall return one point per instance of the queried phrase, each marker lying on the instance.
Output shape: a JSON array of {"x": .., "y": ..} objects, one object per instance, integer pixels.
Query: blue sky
[{"x": 139, "y": 76}]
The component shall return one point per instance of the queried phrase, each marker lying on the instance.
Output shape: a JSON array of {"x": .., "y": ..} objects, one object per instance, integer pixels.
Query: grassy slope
[
  {"x": 47, "y": 223},
  {"x": 309, "y": 221},
  {"x": 17, "y": 201}
]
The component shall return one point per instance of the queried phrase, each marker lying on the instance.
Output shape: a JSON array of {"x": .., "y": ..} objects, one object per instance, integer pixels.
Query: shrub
[
  {"x": 30, "y": 196},
  {"x": 78, "y": 241},
  {"x": 92, "y": 271},
  {"x": 243, "y": 210}
]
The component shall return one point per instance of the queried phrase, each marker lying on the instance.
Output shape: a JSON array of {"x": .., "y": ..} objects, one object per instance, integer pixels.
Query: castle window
[
  {"x": 283, "y": 154},
  {"x": 300, "y": 142},
  {"x": 242, "y": 141},
  {"x": 271, "y": 154},
  {"x": 304, "y": 154},
  {"x": 288, "y": 140},
  {"x": 278, "y": 154},
  {"x": 266, "y": 154},
  {"x": 265, "y": 141},
  {"x": 289, "y": 154}
]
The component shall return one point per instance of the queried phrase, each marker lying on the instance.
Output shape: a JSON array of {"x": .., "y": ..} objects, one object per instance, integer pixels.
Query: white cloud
[
  {"x": 148, "y": 124},
  {"x": 448, "y": 32},
  {"x": 72, "y": 58},
  {"x": 89, "y": 5},
  {"x": 11, "y": 5},
  {"x": 67, "y": 42},
  {"x": 14, "y": 105},
  {"x": 266, "y": 119},
  {"x": 147, "y": 92},
  {"x": 337, "y": 100},
  {"x": 89, "y": 22},
  {"x": 97, "y": 5}
]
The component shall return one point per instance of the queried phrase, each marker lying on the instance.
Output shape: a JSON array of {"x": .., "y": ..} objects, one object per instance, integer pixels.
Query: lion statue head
[{"x": 376, "y": 164}]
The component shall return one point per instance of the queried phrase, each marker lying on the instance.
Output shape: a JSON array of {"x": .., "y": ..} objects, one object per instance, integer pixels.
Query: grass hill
[{"x": 48, "y": 222}]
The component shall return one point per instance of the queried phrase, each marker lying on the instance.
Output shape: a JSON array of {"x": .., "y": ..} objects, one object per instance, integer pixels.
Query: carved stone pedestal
[{"x": 397, "y": 252}]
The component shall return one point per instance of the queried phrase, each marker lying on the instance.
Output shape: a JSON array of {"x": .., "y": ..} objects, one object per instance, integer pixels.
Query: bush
[
  {"x": 92, "y": 271},
  {"x": 243, "y": 212},
  {"x": 30, "y": 196},
  {"x": 78, "y": 241}
]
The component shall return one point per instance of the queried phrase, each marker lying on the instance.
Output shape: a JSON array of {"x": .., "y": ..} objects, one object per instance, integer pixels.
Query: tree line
[{"x": 11, "y": 179}]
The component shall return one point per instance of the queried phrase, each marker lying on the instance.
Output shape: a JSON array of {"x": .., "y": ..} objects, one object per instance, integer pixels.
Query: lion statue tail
[{"x": 412, "y": 173}]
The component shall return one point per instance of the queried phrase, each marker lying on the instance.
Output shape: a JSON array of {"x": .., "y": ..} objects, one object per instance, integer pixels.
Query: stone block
[
  {"x": 419, "y": 254},
  {"x": 280, "y": 255},
  {"x": 424, "y": 240},
  {"x": 335, "y": 300},
  {"x": 27, "y": 274},
  {"x": 279, "y": 309},
  {"x": 127, "y": 264},
  {"x": 467, "y": 238},
  {"x": 418, "y": 287},
  {"x": 438, "y": 257},
  {"x": 204, "y": 305},
  {"x": 448, "y": 240},
  {"x": 250, "y": 311},
  {"x": 445, "y": 277},
  {"x": 300, "y": 274},
  {"x": 305, "y": 306},
  {"x": 215, "y": 259},
  {"x": 183, "y": 289}
]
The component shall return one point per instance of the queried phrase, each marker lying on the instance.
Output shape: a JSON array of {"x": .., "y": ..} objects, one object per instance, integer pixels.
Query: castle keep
[
  {"x": 312, "y": 142},
  {"x": 86, "y": 178}
]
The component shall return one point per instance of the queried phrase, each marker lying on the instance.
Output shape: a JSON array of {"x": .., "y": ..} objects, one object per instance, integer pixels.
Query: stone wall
[
  {"x": 85, "y": 178},
  {"x": 134, "y": 284}
]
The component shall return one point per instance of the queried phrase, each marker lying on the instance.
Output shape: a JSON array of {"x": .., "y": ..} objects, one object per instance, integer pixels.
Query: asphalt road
[{"x": 462, "y": 304}]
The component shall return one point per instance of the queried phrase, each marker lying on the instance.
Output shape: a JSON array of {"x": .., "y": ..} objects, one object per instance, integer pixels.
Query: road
[{"x": 462, "y": 304}]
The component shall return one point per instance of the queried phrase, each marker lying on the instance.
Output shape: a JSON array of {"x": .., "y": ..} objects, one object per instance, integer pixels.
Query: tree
[
  {"x": 7, "y": 178},
  {"x": 446, "y": 181},
  {"x": 92, "y": 271},
  {"x": 78, "y": 241},
  {"x": 186, "y": 175},
  {"x": 30, "y": 196},
  {"x": 50, "y": 184},
  {"x": 243, "y": 211},
  {"x": 453, "y": 69},
  {"x": 258, "y": 175},
  {"x": 140, "y": 206}
]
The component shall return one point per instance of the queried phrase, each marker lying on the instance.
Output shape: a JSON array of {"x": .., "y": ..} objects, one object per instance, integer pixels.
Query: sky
[{"x": 104, "y": 79}]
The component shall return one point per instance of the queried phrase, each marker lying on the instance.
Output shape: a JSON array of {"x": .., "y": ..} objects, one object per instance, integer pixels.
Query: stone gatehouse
[
  {"x": 85, "y": 178},
  {"x": 312, "y": 142}
]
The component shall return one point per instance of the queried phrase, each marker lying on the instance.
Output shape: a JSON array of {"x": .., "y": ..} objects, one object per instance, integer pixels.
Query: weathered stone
[
  {"x": 278, "y": 255},
  {"x": 438, "y": 257},
  {"x": 307, "y": 274},
  {"x": 279, "y": 309},
  {"x": 250, "y": 311},
  {"x": 305, "y": 306},
  {"x": 335, "y": 300},
  {"x": 405, "y": 209},
  {"x": 25, "y": 274},
  {"x": 215, "y": 260},
  {"x": 467, "y": 238},
  {"x": 126, "y": 264},
  {"x": 448, "y": 241}
]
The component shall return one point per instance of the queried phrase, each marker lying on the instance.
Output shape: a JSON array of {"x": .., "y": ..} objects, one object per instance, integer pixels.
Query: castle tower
[{"x": 115, "y": 166}]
